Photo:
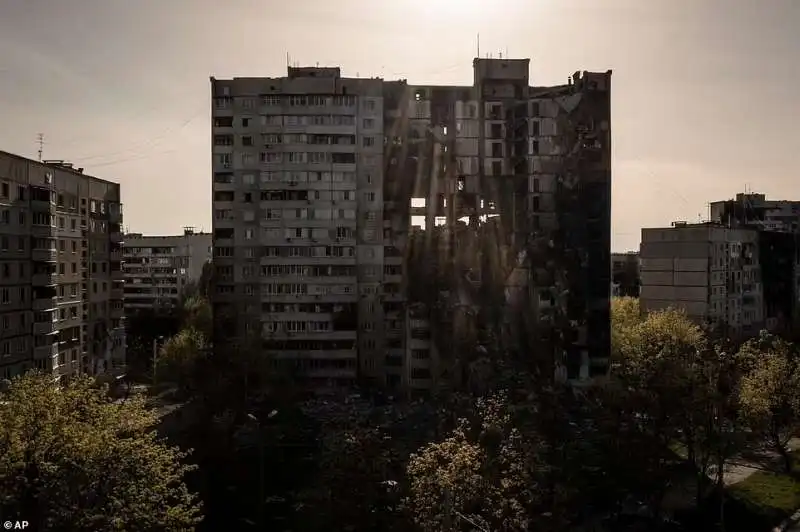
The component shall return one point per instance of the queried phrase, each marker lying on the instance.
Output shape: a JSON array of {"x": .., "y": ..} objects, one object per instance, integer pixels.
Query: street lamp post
[
  {"x": 261, "y": 470},
  {"x": 155, "y": 360}
]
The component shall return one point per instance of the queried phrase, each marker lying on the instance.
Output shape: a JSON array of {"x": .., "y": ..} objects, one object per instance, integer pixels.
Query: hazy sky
[{"x": 706, "y": 94}]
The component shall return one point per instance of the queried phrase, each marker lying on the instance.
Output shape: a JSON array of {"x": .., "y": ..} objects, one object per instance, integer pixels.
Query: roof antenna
[
  {"x": 479, "y": 46},
  {"x": 40, "y": 140}
]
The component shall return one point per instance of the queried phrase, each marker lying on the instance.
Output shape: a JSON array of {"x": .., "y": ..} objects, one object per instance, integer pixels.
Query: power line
[{"x": 150, "y": 142}]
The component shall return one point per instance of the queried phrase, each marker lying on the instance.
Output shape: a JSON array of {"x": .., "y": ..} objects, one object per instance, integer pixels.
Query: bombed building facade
[{"x": 373, "y": 231}]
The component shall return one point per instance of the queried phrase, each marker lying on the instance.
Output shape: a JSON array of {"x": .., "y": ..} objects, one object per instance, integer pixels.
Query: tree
[
  {"x": 770, "y": 391},
  {"x": 684, "y": 390},
  {"x": 197, "y": 315},
  {"x": 73, "y": 460},
  {"x": 180, "y": 358},
  {"x": 485, "y": 474}
]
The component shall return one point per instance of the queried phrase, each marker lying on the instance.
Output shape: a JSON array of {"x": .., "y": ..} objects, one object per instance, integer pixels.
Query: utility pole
[
  {"x": 40, "y": 140},
  {"x": 261, "y": 472},
  {"x": 155, "y": 360}
]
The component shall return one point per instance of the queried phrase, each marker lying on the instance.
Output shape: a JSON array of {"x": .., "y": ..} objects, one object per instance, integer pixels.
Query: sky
[{"x": 704, "y": 92}]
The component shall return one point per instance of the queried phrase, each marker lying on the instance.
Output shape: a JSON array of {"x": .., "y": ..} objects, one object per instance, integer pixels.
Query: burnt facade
[
  {"x": 502, "y": 177},
  {"x": 437, "y": 196}
]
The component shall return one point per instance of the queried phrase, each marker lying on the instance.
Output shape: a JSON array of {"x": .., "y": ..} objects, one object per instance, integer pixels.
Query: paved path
[{"x": 739, "y": 469}]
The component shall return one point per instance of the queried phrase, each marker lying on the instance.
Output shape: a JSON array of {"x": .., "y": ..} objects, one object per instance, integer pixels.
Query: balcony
[
  {"x": 44, "y": 303},
  {"x": 44, "y": 327},
  {"x": 44, "y": 279},
  {"x": 45, "y": 351},
  {"x": 44, "y": 255},
  {"x": 40, "y": 205},
  {"x": 42, "y": 231}
]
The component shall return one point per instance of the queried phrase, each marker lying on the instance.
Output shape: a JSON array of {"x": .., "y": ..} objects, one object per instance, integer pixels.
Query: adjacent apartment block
[
  {"x": 625, "y": 274},
  {"x": 159, "y": 268},
  {"x": 325, "y": 186},
  {"x": 755, "y": 210},
  {"x": 61, "y": 282},
  {"x": 737, "y": 277}
]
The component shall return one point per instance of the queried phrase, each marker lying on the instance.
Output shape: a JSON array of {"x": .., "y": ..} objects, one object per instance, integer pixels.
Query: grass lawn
[{"x": 772, "y": 495}]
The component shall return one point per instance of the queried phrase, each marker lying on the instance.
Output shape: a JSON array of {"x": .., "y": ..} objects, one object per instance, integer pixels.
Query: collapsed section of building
[{"x": 454, "y": 216}]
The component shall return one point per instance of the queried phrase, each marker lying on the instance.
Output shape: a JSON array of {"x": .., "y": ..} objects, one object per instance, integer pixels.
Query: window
[
  {"x": 369, "y": 123},
  {"x": 368, "y": 141},
  {"x": 245, "y": 122},
  {"x": 249, "y": 179},
  {"x": 247, "y": 141},
  {"x": 369, "y": 196}
]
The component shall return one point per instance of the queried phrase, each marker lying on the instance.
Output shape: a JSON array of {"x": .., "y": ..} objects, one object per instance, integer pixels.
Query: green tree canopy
[
  {"x": 485, "y": 474},
  {"x": 180, "y": 358},
  {"x": 625, "y": 315},
  {"x": 197, "y": 315},
  {"x": 770, "y": 391},
  {"x": 72, "y": 460}
]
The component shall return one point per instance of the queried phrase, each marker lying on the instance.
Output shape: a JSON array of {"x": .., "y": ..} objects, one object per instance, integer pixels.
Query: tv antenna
[{"x": 40, "y": 140}]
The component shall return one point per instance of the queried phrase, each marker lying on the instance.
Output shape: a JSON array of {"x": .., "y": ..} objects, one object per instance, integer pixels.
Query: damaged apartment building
[{"x": 362, "y": 226}]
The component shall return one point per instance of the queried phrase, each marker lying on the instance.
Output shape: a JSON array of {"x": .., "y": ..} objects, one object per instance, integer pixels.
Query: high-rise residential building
[
  {"x": 158, "y": 269},
  {"x": 739, "y": 278},
  {"x": 61, "y": 285},
  {"x": 755, "y": 210},
  {"x": 711, "y": 272},
  {"x": 332, "y": 196},
  {"x": 778, "y": 223}
]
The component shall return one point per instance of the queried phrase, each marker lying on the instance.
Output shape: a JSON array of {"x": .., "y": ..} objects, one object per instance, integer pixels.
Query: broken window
[
  {"x": 497, "y": 149},
  {"x": 497, "y": 167}
]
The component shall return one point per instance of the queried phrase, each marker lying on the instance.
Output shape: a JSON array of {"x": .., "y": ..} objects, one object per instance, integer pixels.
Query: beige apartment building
[
  {"x": 323, "y": 184},
  {"x": 710, "y": 271},
  {"x": 61, "y": 285},
  {"x": 159, "y": 268}
]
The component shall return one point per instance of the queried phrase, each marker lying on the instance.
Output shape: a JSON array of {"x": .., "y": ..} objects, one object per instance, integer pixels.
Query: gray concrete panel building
[
  {"x": 158, "y": 269},
  {"x": 61, "y": 285}
]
